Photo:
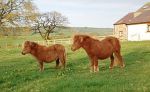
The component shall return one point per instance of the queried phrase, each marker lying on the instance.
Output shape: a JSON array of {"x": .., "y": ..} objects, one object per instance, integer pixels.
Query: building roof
[
  {"x": 144, "y": 7},
  {"x": 142, "y": 15}
]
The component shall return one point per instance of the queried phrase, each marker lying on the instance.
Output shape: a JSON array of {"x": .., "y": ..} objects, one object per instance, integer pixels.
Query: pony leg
[
  {"x": 57, "y": 63},
  {"x": 96, "y": 68},
  {"x": 118, "y": 55},
  {"x": 63, "y": 62},
  {"x": 92, "y": 66},
  {"x": 41, "y": 66},
  {"x": 64, "y": 59},
  {"x": 112, "y": 61}
]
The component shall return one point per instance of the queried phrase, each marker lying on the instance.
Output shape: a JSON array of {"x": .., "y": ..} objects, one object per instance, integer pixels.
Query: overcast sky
[{"x": 91, "y": 13}]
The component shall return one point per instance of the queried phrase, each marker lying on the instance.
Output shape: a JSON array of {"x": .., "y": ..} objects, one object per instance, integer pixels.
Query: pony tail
[{"x": 118, "y": 46}]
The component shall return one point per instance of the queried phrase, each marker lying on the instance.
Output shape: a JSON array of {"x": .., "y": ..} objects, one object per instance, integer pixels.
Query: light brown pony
[
  {"x": 96, "y": 49},
  {"x": 45, "y": 54}
]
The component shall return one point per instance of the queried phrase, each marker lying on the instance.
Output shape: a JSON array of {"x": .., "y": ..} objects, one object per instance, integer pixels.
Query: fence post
[
  {"x": 61, "y": 41},
  {"x": 17, "y": 45},
  {"x": 69, "y": 41},
  {"x": 6, "y": 45},
  {"x": 48, "y": 42},
  {"x": 38, "y": 42},
  {"x": 22, "y": 45},
  {"x": 54, "y": 41}
]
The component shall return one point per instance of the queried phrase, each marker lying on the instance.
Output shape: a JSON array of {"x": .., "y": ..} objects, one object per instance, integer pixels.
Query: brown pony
[
  {"x": 45, "y": 54},
  {"x": 98, "y": 49}
]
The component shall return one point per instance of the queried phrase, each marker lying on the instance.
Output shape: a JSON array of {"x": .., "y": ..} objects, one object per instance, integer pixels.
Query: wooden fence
[
  {"x": 56, "y": 41},
  {"x": 49, "y": 42},
  {"x": 62, "y": 41}
]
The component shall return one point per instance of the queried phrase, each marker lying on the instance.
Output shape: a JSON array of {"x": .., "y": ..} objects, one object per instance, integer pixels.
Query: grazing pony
[
  {"x": 45, "y": 54},
  {"x": 96, "y": 49}
]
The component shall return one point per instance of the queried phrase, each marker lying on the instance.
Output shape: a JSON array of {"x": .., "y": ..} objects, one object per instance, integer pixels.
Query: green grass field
[{"x": 20, "y": 73}]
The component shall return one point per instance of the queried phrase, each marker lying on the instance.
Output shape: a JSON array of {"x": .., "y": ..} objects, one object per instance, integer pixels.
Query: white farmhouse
[{"x": 134, "y": 26}]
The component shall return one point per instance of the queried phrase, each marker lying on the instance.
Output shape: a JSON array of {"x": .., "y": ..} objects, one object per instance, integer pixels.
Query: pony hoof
[
  {"x": 91, "y": 71},
  {"x": 57, "y": 67},
  {"x": 96, "y": 70},
  {"x": 110, "y": 67},
  {"x": 41, "y": 70},
  {"x": 122, "y": 66}
]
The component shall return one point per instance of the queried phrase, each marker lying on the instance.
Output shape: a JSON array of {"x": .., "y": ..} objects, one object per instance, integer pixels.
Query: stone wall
[{"x": 120, "y": 31}]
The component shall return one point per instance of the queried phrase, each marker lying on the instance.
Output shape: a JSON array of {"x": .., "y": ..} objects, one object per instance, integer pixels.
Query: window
[
  {"x": 148, "y": 28},
  {"x": 120, "y": 33}
]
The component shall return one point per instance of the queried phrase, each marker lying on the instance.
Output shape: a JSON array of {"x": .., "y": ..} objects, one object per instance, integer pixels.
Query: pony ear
[
  {"x": 33, "y": 44},
  {"x": 27, "y": 42}
]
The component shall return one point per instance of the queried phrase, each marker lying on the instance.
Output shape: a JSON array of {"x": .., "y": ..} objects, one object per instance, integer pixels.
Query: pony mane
[
  {"x": 87, "y": 36},
  {"x": 84, "y": 35}
]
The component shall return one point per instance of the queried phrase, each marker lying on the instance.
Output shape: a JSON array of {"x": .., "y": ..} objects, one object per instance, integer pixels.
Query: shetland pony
[
  {"x": 45, "y": 54},
  {"x": 96, "y": 49}
]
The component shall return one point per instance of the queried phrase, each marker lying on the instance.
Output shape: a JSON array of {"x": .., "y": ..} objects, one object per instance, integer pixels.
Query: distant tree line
[{"x": 15, "y": 14}]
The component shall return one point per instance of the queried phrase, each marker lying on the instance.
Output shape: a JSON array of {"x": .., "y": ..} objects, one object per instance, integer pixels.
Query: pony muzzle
[{"x": 23, "y": 53}]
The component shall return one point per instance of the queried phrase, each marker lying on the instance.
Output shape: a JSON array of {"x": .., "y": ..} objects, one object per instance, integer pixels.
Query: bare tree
[
  {"x": 47, "y": 22},
  {"x": 37, "y": 24}
]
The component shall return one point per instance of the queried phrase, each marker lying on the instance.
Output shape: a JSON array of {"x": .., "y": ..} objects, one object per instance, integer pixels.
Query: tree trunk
[{"x": 48, "y": 36}]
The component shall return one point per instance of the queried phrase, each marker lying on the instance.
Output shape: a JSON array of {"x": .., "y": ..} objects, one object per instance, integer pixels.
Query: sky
[{"x": 91, "y": 13}]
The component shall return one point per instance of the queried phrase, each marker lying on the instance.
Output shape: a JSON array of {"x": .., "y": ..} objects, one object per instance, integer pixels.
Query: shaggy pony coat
[
  {"x": 45, "y": 54},
  {"x": 97, "y": 49}
]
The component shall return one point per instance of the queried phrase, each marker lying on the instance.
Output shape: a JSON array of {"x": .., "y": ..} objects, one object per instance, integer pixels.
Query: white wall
[{"x": 138, "y": 32}]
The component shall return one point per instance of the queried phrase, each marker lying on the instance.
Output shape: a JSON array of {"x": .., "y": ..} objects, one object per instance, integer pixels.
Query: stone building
[{"x": 134, "y": 26}]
